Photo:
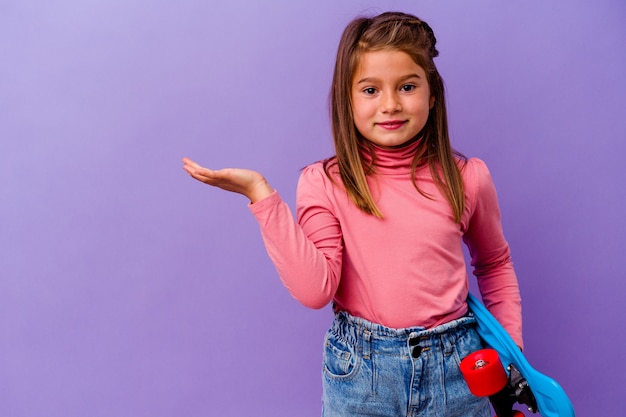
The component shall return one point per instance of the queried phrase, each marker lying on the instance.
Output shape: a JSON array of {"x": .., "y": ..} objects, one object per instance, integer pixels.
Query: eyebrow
[{"x": 401, "y": 79}]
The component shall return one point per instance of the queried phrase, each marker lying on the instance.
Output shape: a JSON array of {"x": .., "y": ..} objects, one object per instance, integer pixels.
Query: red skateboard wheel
[{"x": 484, "y": 373}]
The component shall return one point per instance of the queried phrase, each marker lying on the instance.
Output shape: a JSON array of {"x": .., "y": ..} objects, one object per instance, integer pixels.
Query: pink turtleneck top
[{"x": 404, "y": 270}]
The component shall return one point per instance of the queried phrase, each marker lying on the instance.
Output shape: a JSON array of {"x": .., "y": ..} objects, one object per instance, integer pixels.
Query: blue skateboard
[{"x": 520, "y": 383}]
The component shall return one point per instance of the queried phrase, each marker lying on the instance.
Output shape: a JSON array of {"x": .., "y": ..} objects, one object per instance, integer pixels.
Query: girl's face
[{"x": 390, "y": 97}]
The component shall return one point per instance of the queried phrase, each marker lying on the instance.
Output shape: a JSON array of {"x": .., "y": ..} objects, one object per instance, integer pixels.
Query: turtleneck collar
[{"x": 396, "y": 160}]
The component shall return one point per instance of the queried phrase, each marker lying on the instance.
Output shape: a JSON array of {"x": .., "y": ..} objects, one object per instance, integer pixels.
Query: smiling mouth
[{"x": 392, "y": 124}]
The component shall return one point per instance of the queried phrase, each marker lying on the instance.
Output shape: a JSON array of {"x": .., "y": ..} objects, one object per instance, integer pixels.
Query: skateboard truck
[
  {"x": 486, "y": 377},
  {"x": 521, "y": 390},
  {"x": 516, "y": 390}
]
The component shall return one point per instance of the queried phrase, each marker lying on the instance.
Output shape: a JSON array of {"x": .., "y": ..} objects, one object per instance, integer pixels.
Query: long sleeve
[
  {"x": 490, "y": 253},
  {"x": 307, "y": 257}
]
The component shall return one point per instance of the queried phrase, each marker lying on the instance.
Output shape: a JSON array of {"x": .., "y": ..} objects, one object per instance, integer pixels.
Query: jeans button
[{"x": 416, "y": 352}]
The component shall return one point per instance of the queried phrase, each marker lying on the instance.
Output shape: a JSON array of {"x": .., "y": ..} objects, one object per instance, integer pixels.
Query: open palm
[{"x": 243, "y": 181}]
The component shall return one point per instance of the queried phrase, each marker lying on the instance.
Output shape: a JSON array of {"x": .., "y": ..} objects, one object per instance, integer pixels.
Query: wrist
[{"x": 260, "y": 191}]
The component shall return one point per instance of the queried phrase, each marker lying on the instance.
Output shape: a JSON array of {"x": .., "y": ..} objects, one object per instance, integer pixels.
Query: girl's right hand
[{"x": 243, "y": 181}]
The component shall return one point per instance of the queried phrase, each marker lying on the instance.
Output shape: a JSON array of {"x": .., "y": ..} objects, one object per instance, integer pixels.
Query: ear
[{"x": 431, "y": 102}]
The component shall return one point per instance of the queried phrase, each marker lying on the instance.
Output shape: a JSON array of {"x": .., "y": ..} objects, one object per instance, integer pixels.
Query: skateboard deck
[{"x": 546, "y": 395}]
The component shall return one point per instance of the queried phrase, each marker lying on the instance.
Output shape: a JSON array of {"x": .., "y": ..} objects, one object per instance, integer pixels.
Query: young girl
[{"x": 380, "y": 228}]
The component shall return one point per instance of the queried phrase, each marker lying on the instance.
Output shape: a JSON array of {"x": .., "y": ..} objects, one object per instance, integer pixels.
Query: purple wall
[{"x": 127, "y": 289}]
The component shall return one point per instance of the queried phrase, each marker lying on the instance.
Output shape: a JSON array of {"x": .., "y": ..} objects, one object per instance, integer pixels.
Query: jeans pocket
[{"x": 340, "y": 358}]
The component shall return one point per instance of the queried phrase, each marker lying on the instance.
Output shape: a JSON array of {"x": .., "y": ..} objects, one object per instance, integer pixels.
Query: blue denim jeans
[{"x": 373, "y": 370}]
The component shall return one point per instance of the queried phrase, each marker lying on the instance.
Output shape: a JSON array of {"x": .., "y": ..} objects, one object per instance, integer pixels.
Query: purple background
[{"x": 128, "y": 289}]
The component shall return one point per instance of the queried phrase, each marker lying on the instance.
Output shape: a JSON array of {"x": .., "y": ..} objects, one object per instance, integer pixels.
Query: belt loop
[
  {"x": 447, "y": 341},
  {"x": 367, "y": 348}
]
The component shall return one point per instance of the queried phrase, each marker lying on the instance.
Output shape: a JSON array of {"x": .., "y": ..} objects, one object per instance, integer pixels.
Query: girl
[{"x": 380, "y": 228}]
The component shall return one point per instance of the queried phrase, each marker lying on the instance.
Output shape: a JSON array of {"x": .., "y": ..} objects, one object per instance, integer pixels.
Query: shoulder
[
  {"x": 318, "y": 185},
  {"x": 320, "y": 173},
  {"x": 475, "y": 172},
  {"x": 315, "y": 168},
  {"x": 319, "y": 178},
  {"x": 480, "y": 190}
]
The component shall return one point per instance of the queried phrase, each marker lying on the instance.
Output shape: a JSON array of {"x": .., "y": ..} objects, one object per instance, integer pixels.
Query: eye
[
  {"x": 370, "y": 91},
  {"x": 407, "y": 87}
]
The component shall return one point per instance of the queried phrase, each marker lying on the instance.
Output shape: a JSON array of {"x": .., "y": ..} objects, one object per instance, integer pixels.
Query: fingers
[
  {"x": 195, "y": 170},
  {"x": 205, "y": 175},
  {"x": 189, "y": 165}
]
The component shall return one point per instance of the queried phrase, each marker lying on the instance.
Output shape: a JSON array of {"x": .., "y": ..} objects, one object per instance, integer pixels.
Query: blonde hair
[{"x": 406, "y": 33}]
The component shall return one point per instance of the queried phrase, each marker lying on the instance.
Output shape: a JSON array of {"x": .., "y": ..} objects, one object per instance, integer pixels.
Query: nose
[{"x": 389, "y": 103}]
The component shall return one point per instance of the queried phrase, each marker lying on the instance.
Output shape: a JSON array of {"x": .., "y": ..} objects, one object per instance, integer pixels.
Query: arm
[
  {"x": 308, "y": 263},
  {"x": 306, "y": 254},
  {"x": 490, "y": 253}
]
